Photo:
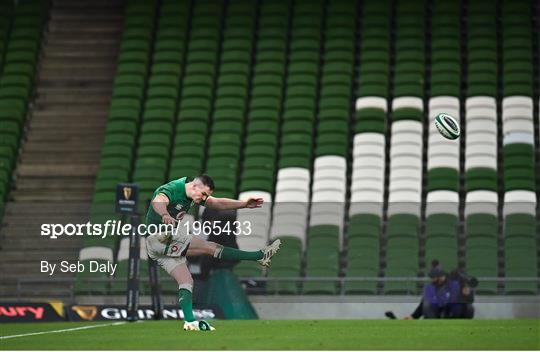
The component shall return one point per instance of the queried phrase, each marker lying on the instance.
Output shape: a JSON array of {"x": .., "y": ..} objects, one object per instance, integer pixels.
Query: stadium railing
[{"x": 24, "y": 285}]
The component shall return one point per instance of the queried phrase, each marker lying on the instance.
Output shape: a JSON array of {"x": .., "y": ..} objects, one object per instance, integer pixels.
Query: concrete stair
[{"x": 56, "y": 170}]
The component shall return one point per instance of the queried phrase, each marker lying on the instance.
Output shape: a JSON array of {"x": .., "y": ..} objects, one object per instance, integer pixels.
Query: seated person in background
[
  {"x": 463, "y": 307},
  {"x": 418, "y": 312},
  {"x": 439, "y": 295}
]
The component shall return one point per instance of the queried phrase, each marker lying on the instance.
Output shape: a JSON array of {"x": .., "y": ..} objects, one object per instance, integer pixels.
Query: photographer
[
  {"x": 463, "y": 307},
  {"x": 460, "y": 287},
  {"x": 440, "y": 295},
  {"x": 419, "y": 311}
]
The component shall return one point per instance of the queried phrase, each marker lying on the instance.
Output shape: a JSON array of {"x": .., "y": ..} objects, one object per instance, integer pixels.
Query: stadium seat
[
  {"x": 369, "y": 144},
  {"x": 21, "y": 29},
  {"x": 268, "y": 81}
]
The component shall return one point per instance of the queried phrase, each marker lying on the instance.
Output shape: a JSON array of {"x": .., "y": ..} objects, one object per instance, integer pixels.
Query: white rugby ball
[{"x": 447, "y": 125}]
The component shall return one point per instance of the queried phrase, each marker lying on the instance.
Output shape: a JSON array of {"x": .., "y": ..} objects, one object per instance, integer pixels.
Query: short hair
[{"x": 206, "y": 180}]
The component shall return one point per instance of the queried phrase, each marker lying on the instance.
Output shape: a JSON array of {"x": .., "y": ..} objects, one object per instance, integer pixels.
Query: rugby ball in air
[{"x": 447, "y": 126}]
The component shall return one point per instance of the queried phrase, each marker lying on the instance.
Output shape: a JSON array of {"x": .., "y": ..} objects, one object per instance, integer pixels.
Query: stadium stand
[
  {"x": 405, "y": 180},
  {"x": 290, "y": 100},
  {"x": 519, "y": 209},
  {"x": 264, "y": 108},
  {"x": 325, "y": 110},
  {"x": 325, "y": 232},
  {"x": 59, "y": 88},
  {"x": 241, "y": 60},
  {"x": 6, "y": 155},
  {"x": 442, "y": 201},
  {"x": 120, "y": 140},
  {"x": 481, "y": 145},
  {"x": 290, "y": 212},
  {"x": 21, "y": 29},
  {"x": 369, "y": 147}
]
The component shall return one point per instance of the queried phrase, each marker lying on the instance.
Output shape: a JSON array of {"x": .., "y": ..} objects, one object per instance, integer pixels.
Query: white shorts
[{"x": 168, "y": 251}]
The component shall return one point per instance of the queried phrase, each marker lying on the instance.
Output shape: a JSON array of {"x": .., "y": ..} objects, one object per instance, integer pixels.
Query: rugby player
[{"x": 170, "y": 202}]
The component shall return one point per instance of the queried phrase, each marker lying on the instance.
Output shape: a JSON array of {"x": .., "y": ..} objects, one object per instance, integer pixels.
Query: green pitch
[{"x": 284, "y": 335}]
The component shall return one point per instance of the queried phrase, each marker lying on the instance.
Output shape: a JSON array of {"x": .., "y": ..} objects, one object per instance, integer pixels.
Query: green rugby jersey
[{"x": 178, "y": 200}]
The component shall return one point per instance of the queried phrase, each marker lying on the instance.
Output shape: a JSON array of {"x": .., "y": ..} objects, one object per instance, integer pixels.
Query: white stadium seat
[
  {"x": 330, "y": 161},
  {"x": 366, "y": 206},
  {"x": 480, "y": 137},
  {"x": 481, "y": 202},
  {"x": 443, "y": 101},
  {"x": 292, "y": 185},
  {"x": 367, "y": 173},
  {"x": 481, "y": 125},
  {"x": 369, "y": 138},
  {"x": 481, "y": 150},
  {"x": 96, "y": 253},
  {"x": 267, "y": 197},
  {"x": 443, "y": 161},
  {"x": 292, "y": 196},
  {"x": 481, "y": 113},
  {"x": 405, "y": 150},
  {"x": 408, "y": 102},
  {"x": 520, "y": 202},
  {"x": 519, "y": 137},
  {"x": 328, "y": 196},
  {"x": 285, "y": 229},
  {"x": 371, "y": 102},
  {"x": 294, "y": 173},
  {"x": 250, "y": 243},
  {"x": 407, "y": 125},
  {"x": 515, "y": 112},
  {"x": 442, "y": 202},
  {"x": 367, "y": 185},
  {"x": 408, "y": 162},
  {"x": 406, "y": 137},
  {"x": 517, "y": 101},
  {"x": 481, "y": 161},
  {"x": 368, "y": 161},
  {"x": 325, "y": 174},
  {"x": 442, "y": 149},
  {"x": 329, "y": 185},
  {"x": 368, "y": 150},
  {"x": 482, "y": 102},
  {"x": 518, "y": 126}
]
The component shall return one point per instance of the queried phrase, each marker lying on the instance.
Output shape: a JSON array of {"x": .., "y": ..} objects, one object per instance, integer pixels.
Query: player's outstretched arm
[{"x": 232, "y": 204}]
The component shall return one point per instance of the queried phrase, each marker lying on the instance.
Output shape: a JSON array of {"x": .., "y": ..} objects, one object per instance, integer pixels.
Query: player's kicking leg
[
  {"x": 185, "y": 288},
  {"x": 201, "y": 247},
  {"x": 171, "y": 257}
]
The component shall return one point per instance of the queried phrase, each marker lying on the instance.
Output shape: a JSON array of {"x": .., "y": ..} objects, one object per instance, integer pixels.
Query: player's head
[{"x": 202, "y": 188}]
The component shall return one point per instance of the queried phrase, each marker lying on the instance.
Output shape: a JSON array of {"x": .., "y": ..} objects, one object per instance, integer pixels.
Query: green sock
[
  {"x": 186, "y": 304},
  {"x": 228, "y": 253}
]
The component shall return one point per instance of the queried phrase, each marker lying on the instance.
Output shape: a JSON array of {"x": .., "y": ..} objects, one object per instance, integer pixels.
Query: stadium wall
[
  {"x": 356, "y": 307},
  {"x": 369, "y": 307}
]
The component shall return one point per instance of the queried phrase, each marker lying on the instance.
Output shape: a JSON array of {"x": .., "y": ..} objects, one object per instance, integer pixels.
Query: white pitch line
[{"x": 62, "y": 330}]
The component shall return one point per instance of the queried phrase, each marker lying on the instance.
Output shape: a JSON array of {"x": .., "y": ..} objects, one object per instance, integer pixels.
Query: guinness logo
[
  {"x": 127, "y": 192},
  {"x": 87, "y": 312}
]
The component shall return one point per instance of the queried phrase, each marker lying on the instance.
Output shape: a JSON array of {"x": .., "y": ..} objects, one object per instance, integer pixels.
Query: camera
[{"x": 463, "y": 278}]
